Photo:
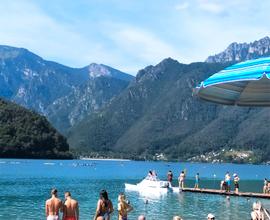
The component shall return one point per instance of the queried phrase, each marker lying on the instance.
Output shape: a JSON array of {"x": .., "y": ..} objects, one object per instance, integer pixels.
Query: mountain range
[
  {"x": 237, "y": 52},
  {"x": 105, "y": 112},
  {"x": 156, "y": 116},
  {"x": 63, "y": 94}
]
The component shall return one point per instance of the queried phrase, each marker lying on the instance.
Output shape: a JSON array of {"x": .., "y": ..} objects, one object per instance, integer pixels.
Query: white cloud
[
  {"x": 142, "y": 44},
  {"x": 182, "y": 6},
  {"x": 186, "y": 30},
  {"x": 211, "y": 6},
  {"x": 23, "y": 24}
]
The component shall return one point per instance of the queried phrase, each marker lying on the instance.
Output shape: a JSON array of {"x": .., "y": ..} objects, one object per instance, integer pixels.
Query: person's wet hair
[
  {"x": 67, "y": 193},
  {"x": 103, "y": 194},
  {"x": 54, "y": 191}
]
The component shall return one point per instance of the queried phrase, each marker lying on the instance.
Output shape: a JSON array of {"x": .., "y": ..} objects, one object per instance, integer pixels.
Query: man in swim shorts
[
  {"x": 53, "y": 206},
  {"x": 70, "y": 208}
]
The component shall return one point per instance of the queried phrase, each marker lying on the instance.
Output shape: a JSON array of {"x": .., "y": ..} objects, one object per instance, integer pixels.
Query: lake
[{"x": 25, "y": 185}]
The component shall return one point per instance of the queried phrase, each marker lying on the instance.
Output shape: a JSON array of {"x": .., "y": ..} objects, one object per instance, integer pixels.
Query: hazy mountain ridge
[{"x": 38, "y": 84}]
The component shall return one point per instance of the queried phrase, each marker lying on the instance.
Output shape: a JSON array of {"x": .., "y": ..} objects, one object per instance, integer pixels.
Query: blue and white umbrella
[{"x": 245, "y": 84}]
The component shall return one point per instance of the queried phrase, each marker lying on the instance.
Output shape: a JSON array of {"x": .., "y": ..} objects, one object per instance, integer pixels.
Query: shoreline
[{"x": 103, "y": 159}]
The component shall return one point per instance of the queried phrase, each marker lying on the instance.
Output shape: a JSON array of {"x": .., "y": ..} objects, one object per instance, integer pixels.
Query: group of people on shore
[{"x": 70, "y": 207}]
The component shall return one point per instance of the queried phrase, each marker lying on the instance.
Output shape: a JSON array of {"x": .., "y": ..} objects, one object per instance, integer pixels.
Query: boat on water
[{"x": 150, "y": 186}]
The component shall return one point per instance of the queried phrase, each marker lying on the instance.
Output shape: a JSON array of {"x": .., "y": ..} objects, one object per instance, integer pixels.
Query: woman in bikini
[
  {"x": 104, "y": 207},
  {"x": 123, "y": 207}
]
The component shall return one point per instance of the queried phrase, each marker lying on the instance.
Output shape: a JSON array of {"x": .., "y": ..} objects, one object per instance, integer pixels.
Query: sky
[{"x": 130, "y": 34}]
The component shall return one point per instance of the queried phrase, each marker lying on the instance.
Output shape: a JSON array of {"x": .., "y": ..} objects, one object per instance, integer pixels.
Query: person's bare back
[
  {"x": 53, "y": 206},
  {"x": 71, "y": 208}
]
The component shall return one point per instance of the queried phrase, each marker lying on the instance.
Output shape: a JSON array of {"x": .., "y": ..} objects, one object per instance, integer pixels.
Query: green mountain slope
[
  {"x": 83, "y": 101},
  {"x": 157, "y": 114},
  {"x": 25, "y": 134}
]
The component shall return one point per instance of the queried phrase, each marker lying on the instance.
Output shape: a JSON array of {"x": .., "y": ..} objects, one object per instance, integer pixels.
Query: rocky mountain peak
[
  {"x": 8, "y": 52},
  {"x": 237, "y": 52},
  {"x": 100, "y": 70},
  {"x": 153, "y": 71},
  {"x": 97, "y": 70}
]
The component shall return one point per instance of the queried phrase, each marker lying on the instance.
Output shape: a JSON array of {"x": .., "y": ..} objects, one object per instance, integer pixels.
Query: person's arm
[
  {"x": 97, "y": 210},
  {"x": 129, "y": 207},
  {"x": 46, "y": 209},
  {"x": 119, "y": 207},
  {"x": 64, "y": 211},
  {"x": 77, "y": 211},
  {"x": 111, "y": 207},
  {"x": 61, "y": 206}
]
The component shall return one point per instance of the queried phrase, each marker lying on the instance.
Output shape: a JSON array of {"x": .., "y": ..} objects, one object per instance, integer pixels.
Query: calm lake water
[{"x": 26, "y": 184}]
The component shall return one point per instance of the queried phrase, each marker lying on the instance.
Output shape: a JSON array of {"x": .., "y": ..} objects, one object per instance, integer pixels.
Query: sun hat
[{"x": 210, "y": 216}]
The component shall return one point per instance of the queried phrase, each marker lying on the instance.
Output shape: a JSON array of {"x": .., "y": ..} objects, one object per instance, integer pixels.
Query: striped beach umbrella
[{"x": 244, "y": 84}]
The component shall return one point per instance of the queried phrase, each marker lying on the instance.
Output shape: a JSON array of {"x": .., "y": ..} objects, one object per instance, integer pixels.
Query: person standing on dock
[
  {"x": 197, "y": 180},
  {"x": 236, "y": 182},
  {"x": 170, "y": 177},
  {"x": 228, "y": 182},
  {"x": 265, "y": 186},
  {"x": 181, "y": 180}
]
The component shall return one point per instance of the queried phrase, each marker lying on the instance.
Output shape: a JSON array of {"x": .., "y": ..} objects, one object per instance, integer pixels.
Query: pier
[{"x": 222, "y": 192}]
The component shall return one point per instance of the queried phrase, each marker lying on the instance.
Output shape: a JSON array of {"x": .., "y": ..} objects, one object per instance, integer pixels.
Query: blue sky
[{"x": 129, "y": 35}]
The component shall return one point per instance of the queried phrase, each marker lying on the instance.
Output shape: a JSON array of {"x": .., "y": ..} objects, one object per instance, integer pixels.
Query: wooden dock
[{"x": 222, "y": 192}]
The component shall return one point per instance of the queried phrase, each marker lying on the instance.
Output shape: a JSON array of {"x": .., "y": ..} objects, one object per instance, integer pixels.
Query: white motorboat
[{"x": 150, "y": 186}]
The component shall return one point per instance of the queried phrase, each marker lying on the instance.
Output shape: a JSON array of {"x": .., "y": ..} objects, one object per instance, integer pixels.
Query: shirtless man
[
  {"x": 53, "y": 206},
  {"x": 70, "y": 208}
]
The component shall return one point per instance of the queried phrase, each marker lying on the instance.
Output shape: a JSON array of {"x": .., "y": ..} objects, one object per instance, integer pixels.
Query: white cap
[
  {"x": 234, "y": 174},
  {"x": 210, "y": 215}
]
